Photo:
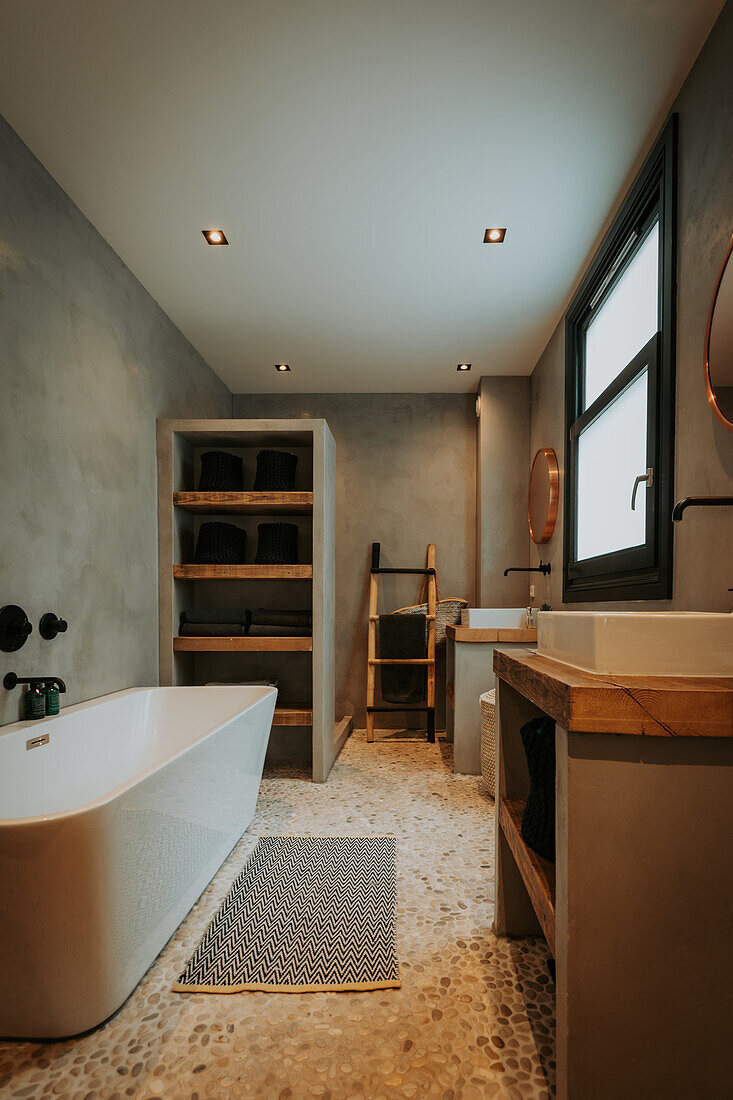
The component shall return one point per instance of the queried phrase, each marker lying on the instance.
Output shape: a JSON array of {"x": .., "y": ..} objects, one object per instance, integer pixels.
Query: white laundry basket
[{"x": 488, "y": 711}]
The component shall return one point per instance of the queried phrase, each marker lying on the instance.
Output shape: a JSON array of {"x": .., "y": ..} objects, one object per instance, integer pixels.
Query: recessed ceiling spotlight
[
  {"x": 494, "y": 236},
  {"x": 215, "y": 236},
  {"x": 282, "y": 366},
  {"x": 463, "y": 366}
]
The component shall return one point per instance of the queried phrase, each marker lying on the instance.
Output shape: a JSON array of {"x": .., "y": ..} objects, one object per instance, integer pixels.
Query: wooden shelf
[
  {"x": 242, "y": 572},
  {"x": 245, "y": 504},
  {"x": 587, "y": 702},
  {"x": 537, "y": 873},
  {"x": 189, "y": 644},
  {"x": 293, "y": 716}
]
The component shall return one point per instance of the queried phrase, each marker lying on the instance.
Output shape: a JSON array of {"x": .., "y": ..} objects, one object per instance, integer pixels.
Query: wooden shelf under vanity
[
  {"x": 537, "y": 873},
  {"x": 243, "y": 572},
  {"x": 191, "y": 644},
  {"x": 245, "y": 504}
]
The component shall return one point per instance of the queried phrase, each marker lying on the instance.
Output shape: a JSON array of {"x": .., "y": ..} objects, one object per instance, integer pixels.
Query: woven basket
[
  {"x": 488, "y": 735},
  {"x": 447, "y": 613},
  {"x": 220, "y": 544},
  {"x": 275, "y": 472},
  {"x": 220, "y": 473},
  {"x": 277, "y": 544}
]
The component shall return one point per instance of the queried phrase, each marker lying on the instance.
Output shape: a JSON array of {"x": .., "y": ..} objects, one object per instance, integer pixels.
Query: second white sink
[
  {"x": 639, "y": 643},
  {"x": 488, "y": 617}
]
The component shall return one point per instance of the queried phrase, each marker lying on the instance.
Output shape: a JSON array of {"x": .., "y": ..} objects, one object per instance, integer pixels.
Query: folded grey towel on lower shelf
[
  {"x": 237, "y": 615},
  {"x": 242, "y": 683},
  {"x": 213, "y": 630},
  {"x": 264, "y": 616},
  {"x": 262, "y": 631}
]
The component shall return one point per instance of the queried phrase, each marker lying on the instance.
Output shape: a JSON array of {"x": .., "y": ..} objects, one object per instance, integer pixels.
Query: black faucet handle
[
  {"x": 50, "y": 625},
  {"x": 14, "y": 627}
]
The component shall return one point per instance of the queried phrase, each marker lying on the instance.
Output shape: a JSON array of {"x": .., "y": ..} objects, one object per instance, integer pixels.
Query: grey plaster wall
[
  {"x": 501, "y": 492},
  {"x": 88, "y": 361},
  {"x": 405, "y": 476},
  {"x": 703, "y": 570}
]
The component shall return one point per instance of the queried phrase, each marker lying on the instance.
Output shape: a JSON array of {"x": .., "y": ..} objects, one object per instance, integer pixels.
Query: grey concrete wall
[
  {"x": 703, "y": 570},
  {"x": 88, "y": 361},
  {"x": 501, "y": 492},
  {"x": 404, "y": 477}
]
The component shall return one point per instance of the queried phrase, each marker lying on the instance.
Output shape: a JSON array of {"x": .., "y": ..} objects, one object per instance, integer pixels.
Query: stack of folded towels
[
  {"x": 238, "y": 622},
  {"x": 280, "y": 624},
  {"x": 230, "y": 623}
]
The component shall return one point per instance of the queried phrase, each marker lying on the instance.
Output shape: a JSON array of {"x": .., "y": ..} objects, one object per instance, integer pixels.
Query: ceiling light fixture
[
  {"x": 463, "y": 366},
  {"x": 215, "y": 236},
  {"x": 282, "y": 366},
  {"x": 494, "y": 236}
]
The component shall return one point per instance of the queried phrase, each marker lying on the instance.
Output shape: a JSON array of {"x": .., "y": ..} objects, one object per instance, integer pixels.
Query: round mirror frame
[
  {"x": 713, "y": 401},
  {"x": 553, "y": 476}
]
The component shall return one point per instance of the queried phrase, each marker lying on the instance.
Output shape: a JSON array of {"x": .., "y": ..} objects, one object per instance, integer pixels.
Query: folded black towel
[
  {"x": 212, "y": 630},
  {"x": 403, "y": 636},
  {"x": 264, "y": 616},
  {"x": 538, "y": 820},
  {"x": 237, "y": 615},
  {"x": 268, "y": 631}
]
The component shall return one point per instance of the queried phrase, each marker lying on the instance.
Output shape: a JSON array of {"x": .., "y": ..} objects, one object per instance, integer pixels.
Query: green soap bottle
[
  {"x": 51, "y": 698},
  {"x": 34, "y": 703}
]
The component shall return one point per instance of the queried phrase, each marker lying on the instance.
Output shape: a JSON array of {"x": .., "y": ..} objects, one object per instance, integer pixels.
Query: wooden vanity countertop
[
  {"x": 492, "y": 634},
  {"x": 588, "y": 702}
]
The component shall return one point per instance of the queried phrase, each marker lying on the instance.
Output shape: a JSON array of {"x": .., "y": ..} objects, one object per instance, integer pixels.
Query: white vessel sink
[
  {"x": 487, "y": 617},
  {"x": 631, "y": 643}
]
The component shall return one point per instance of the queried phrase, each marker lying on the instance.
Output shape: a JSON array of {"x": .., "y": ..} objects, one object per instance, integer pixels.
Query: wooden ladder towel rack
[{"x": 429, "y": 576}]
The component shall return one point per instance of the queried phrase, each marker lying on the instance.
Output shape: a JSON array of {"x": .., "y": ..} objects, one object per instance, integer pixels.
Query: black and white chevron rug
[{"x": 306, "y": 914}]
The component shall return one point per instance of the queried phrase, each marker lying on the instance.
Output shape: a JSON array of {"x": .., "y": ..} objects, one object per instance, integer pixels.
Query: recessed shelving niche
[{"x": 297, "y": 663}]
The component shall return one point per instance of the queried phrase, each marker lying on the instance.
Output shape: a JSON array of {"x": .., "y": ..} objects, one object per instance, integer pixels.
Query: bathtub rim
[{"x": 139, "y": 777}]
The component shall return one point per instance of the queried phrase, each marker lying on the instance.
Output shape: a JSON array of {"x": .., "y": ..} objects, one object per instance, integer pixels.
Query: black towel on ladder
[{"x": 403, "y": 636}]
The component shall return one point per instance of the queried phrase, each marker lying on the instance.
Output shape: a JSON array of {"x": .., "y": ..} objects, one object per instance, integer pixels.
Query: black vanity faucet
[
  {"x": 698, "y": 502},
  {"x": 544, "y": 567}
]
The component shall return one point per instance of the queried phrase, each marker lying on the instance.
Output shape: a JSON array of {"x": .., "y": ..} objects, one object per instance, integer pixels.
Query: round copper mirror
[
  {"x": 543, "y": 495},
  {"x": 719, "y": 346}
]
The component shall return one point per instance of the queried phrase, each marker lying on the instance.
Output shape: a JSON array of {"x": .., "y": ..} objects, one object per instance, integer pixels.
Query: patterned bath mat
[{"x": 305, "y": 915}]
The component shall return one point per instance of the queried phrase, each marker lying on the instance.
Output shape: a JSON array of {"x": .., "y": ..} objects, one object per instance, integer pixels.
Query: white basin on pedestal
[
  {"x": 639, "y": 643},
  {"x": 512, "y": 618}
]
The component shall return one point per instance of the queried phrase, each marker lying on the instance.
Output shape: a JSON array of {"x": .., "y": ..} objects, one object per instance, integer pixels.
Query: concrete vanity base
[
  {"x": 469, "y": 673},
  {"x": 638, "y": 902}
]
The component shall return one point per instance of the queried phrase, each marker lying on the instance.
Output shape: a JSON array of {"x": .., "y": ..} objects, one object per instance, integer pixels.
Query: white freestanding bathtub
[{"x": 109, "y": 832}]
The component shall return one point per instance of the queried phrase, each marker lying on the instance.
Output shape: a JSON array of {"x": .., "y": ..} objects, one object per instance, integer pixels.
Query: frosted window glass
[
  {"x": 626, "y": 321},
  {"x": 611, "y": 452}
]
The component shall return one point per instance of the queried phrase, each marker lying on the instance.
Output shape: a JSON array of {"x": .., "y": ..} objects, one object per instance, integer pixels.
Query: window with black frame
[{"x": 620, "y": 345}]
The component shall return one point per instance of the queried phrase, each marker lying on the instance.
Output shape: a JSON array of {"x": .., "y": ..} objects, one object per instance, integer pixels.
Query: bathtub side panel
[{"x": 89, "y": 902}]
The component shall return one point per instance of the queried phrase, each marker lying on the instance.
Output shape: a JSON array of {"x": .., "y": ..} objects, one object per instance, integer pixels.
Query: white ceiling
[{"x": 354, "y": 151}]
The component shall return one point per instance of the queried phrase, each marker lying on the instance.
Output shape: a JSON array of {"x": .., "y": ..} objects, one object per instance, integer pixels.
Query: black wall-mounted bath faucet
[
  {"x": 11, "y": 680},
  {"x": 698, "y": 502},
  {"x": 544, "y": 567}
]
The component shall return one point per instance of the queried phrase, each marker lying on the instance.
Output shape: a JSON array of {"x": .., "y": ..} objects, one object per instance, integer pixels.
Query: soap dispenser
[
  {"x": 50, "y": 697},
  {"x": 34, "y": 703}
]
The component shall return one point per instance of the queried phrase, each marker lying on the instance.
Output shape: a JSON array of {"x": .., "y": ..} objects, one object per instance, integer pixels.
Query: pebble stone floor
[{"x": 474, "y": 1016}]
